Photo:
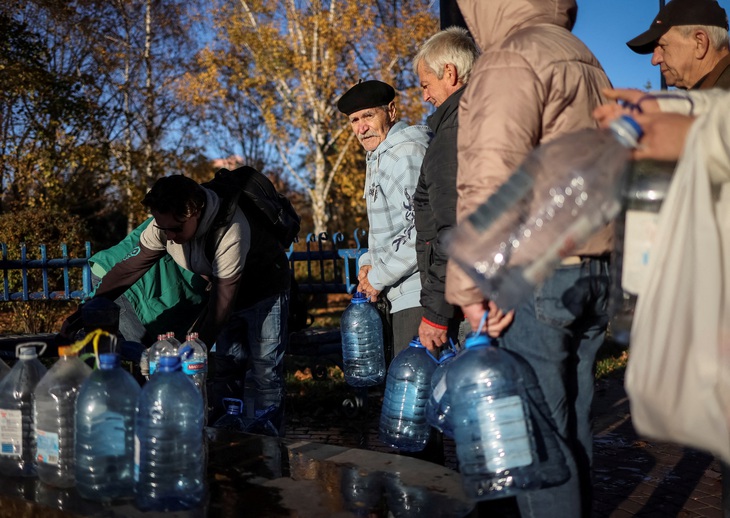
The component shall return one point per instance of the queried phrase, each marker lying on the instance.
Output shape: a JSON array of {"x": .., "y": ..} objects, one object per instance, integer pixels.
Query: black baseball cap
[
  {"x": 365, "y": 94},
  {"x": 679, "y": 12}
]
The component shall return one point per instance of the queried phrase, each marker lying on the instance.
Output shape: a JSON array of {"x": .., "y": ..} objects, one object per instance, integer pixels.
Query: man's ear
[
  {"x": 451, "y": 74},
  {"x": 701, "y": 42},
  {"x": 392, "y": 111}
]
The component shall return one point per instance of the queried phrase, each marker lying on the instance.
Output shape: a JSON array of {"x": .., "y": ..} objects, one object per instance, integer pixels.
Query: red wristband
[{"x": 437, "y": 326}]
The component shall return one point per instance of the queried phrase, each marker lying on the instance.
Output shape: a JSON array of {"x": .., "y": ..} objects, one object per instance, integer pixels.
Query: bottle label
[
  {"x": 110, "y": 425},
  {"x": 137, "y": 457},
  {"x": 153, "y": 367},
  {"x": 46, "y": 447},
  {"x": 439, "y": 389},
  {"x": 640, "y": 231},
  {"x": 11, "y": 433},
  {"x": 504, "y": 434},
  {"x": 195, "y": 366}
]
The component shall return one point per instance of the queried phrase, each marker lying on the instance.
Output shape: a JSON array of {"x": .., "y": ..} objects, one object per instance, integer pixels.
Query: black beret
[{"x": 365, "y": 94}]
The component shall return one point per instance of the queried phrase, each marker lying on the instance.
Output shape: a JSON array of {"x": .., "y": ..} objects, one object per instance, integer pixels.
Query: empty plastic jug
[
  {"x": 363, "y": 354},
  {"x": 17, "y": 437},
  {"x": 403, "y": 423}
]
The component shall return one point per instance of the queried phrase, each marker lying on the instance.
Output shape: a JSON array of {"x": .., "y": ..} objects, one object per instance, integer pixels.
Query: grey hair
[
  {"x": 718, "y": 36},
  {"x": 451, "y": 46}
]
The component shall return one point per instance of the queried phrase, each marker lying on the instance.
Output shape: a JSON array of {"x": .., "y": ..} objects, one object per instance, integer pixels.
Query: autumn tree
[{"x": 291, "y": 60}]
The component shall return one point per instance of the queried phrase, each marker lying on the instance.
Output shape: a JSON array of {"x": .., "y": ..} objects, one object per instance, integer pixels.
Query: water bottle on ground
[
  {"x": 559, "y": 196},
  {"x": 495, "y": 445},
  {"x": 236, "y": 420},
  {"x": 439, "y": 402},
  {"x": 363, "y": 355},
  {"x": 403, "y": 423},
  {"x": 162, "y": 347},
  {"x": 169, "y": 441},
  {"x": 17, "y": 437},
  {"x": 105, "y": 411},
  {"x": 54, "y": 403},
  {"x": 233, "y": 418},
  {"x": 196, "y": 366}
]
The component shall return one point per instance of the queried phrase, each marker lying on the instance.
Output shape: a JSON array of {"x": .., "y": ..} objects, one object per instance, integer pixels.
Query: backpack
[{"x": 259, "y": 200}]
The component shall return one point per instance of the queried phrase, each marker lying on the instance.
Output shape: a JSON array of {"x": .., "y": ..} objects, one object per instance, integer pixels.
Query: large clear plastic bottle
[
  {"x": 54, "y": 403},
  {"x": 363, "y": 352},
  {"x": 196, "y": 366},
  {"x": 559, "y": 196},
  {"x": 495, "y": 445},
  {"x": 17, "y": 437},
  {"x": 439, "y": 402},
  {"x": 169, "y": 441},
  {"x": 105, "y": 411},
  {"x": 403, "y": 423},
  {"x": 233, "y": 419},
  {"x": 162, "y": 347}
]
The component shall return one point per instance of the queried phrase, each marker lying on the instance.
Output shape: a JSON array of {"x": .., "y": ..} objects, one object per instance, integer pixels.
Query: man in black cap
[
  {"x": 395, "y": 150},
  {"x": 689, "y": 41}
]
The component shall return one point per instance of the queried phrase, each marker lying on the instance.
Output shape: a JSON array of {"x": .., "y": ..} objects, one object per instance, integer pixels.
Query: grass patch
[{"x": 611, "y": 360}]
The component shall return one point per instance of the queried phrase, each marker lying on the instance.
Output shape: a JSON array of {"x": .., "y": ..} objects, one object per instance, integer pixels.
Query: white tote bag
[{"x": 678, "y": 375}]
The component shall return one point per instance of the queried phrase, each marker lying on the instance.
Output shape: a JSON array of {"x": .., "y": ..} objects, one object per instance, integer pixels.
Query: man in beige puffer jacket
[{"x": 534, "y": 82}]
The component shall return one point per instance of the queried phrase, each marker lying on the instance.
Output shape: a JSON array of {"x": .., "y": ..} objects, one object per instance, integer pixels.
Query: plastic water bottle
[
  {"x": 403, "y": 423},
  {"x": 495, "y": 446},
  {"x": 562, "y": 193},
  {"x": 363, "y": 354},
  {"x": 236, "y": 420},
  {"x": 439, "y": 403},
  {"x": 54, "y": 405},
  {"x": 17, "y": 437},
  {"x": 105, "y": 411},
  {"x": 635, "y": 229},
  {"x": 233, "y": 418},
  {"x": 162, "y": 347},
  {"x": 4, "y": 369},
  {"x": 169, "y": 450},
  {"x": 196, "y": 366}
]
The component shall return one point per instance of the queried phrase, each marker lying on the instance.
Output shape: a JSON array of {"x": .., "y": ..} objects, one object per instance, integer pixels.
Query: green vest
[{"x": 166, "y": 298}]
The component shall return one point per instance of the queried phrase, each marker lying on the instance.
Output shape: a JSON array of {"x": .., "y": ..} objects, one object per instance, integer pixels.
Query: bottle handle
[{"x": 482, "y": 323}]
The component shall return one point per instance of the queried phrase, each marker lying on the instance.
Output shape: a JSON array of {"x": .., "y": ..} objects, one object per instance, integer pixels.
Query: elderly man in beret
[
  {"x": 688, "y": 39},
  {"x": 395, "y": 150}
]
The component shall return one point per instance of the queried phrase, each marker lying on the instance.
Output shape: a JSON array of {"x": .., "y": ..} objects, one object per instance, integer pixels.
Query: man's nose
[{"x": 656, "y": 56}]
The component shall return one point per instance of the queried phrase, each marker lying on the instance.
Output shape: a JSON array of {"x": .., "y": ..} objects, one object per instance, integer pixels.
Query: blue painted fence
[{"x": 321, "y": 264}]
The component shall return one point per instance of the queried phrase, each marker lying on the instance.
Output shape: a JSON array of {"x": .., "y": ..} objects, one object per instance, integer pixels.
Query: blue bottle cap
[
  {"x": 108, "y": 361},
  {"x": 627, "y": 130},
  {"x": 446, "y": 354},
  {"x": 359, "y": 297},
  {"x": 416, "y": 342},
  {"x": 233, "y": 406},
  {"x": 476, "y": 340},
  {"x": 169, "y": 363}
]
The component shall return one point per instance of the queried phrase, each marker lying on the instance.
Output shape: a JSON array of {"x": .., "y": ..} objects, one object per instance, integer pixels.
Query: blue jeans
[
  {"x": 559, "y": 333},
  {"x": 249, "y": 358}
]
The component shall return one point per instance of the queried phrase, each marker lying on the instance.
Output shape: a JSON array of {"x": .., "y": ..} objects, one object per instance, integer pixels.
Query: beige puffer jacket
[{"x": 534, "y": 81}]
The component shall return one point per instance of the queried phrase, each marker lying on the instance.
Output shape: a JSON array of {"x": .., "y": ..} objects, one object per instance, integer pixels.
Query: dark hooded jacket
[{"x": 435, "y": 204}]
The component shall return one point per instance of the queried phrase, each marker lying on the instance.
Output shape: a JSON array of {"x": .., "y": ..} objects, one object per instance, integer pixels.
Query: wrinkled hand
[
  {"x": 364, "y": 285},
  {"x": 664, "y": 135},
  {"x": 627, "y": 102},
  {"x": 431, "y": 337},
  {"x": 497, "y": 320}
]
